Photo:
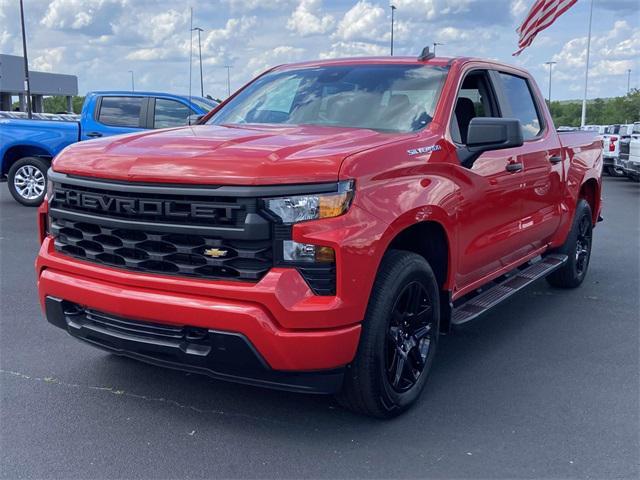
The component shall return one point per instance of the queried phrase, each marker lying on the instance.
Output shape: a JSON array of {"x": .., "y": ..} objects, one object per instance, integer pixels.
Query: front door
[{"x": 490, "y": 205}]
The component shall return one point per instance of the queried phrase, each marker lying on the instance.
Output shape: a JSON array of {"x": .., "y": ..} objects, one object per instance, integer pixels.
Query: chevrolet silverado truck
[
  {"x": 321, "y": 228},
  {"x": 27, "y": 146}
]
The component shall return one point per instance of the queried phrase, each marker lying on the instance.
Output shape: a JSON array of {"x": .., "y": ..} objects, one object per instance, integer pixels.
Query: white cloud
[
  {"x": 519, "y": 8},
  {"x": 363, "y": 21},
  {"x": 307, "y": 19},
  {"x": 81, "y": 14},
  {"x": 431, "y": 9},
  {"x": 48, "y": 60},
  {"x": 354, "y": 49},
  {"x": 275, "y": 56}
]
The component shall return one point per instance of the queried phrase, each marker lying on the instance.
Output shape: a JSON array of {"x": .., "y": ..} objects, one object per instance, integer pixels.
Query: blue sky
[{"x": 101, "y": 40}]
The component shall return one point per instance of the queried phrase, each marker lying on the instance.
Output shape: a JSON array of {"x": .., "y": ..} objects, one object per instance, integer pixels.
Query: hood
[{"x": 217, "y": 155}]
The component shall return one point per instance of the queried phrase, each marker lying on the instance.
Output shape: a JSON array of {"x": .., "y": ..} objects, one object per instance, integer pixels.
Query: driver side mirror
[{"x": 490, "y": 133}]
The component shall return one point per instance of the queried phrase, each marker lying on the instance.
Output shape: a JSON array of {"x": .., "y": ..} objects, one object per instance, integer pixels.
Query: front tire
[
  {"x": 27, "y": 180},
  {"x": 398, "y": 341},
  {"x": 577, "y": 247}
]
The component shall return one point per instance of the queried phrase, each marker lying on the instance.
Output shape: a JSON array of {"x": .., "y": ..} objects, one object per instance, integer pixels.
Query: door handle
[
  {"x": 94, "y": 134},
  {"x": 514, "y": 167},
  {"x": 555, "y": 159}
]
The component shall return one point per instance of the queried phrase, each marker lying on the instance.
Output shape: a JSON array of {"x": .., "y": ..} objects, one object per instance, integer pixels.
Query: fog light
[{"x": 306, "y": 252}]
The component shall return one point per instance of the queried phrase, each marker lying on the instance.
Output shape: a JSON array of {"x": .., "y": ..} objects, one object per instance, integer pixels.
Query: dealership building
[{"x": 43, "y": 84}]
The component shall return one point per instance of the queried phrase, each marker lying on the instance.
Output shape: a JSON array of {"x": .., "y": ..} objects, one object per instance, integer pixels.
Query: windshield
[{"x": 394, "y": 98}]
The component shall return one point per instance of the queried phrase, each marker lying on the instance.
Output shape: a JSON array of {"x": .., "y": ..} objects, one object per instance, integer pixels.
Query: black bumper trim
[{"x": 226, "y": 356}]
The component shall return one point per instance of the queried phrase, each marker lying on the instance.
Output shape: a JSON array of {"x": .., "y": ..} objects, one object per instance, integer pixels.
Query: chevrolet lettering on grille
[{"x": 136, "y": 206}]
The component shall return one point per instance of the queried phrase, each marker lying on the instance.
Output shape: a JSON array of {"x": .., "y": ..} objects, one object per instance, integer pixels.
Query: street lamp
[
  {"x": 198, "y": 29},
  {"x": 27, "y": 83},
  {"x": 435, "y": 44},
  {"x": 393, "y": 9},
  {"x": 628, "y": 81},
  {"x": 551, "y": 64},
  {"x": 132, "y": 84}
]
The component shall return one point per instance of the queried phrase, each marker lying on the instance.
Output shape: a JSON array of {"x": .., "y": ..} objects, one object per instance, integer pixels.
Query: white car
[
  {"x": 611, "y": 150},
  {"x": 632, "y": 165}
]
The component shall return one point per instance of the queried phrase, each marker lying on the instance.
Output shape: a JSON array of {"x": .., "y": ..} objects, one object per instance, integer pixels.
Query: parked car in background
[
  {"x": 321, "y": 228},
  {"x": 632, "y": 165},
  {"x": 626, "y": 133},
  {"x": 599, "y": 129},
  {"x": 611, "y": 150},
  {"x": 27, "y": 146}
]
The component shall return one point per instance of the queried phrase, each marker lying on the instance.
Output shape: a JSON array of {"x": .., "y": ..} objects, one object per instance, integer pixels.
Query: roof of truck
[{"x": 397, "y": 60}]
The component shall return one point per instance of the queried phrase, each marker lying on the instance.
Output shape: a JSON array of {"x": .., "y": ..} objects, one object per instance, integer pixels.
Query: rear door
[
  {"x": 541, "y": 157},
  {"x": 115, "y": 115}
]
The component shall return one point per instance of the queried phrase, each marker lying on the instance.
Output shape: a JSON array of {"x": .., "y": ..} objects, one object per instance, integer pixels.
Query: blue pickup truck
[{"x": 28, "y": 146}]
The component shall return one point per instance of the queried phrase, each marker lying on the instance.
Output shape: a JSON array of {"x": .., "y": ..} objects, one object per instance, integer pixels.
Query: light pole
[
  {"x": 551, "y": 64},
  {"x": 628, "y": 81},
  {"x": 228, "y": 67},
  {"x": 133, "y": 89},
  {"x": 393, "y": 9},
  {"x": 198, "y": 29},
  {"x": 27, "y": 83},
  {"x": 435, "y": 44}
]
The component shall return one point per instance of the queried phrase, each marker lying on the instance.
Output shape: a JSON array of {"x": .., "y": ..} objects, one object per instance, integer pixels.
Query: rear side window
[
  {"x": 169, "y": 113},
  {"x": 523, "y": 107},
  {"x": 120, "y": 111}
]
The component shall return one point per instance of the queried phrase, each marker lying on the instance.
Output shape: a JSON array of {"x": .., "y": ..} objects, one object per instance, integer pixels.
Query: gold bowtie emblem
[{"x": 215, "y": 252}]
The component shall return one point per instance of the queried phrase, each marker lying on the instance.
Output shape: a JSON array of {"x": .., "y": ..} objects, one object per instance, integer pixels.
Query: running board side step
[{"x": 503, "y": 288}]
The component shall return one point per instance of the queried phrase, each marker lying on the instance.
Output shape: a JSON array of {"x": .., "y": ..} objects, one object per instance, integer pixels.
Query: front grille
[
  {"x": 167, "y": 253},
  {"x": 197, "y": 235}
]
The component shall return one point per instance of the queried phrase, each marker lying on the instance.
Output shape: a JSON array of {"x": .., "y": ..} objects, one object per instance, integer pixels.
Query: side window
[
  {"x": 170, "y": 113},
  {"x": 475, "y": 99},
  {"x": 120, "y": 111},
  {"x": 523, "y": 107}
]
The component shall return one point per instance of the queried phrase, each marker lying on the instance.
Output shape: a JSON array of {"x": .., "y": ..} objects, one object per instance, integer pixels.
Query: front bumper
[{"x": 221, "y": 355}]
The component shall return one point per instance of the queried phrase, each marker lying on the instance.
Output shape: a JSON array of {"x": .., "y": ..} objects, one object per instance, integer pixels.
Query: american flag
[{"x": 542, "y": 15}]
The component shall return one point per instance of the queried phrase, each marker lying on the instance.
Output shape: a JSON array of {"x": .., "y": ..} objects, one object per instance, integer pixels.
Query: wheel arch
[
  {"x": 16, "y": 152},
  {"x": 590, "y": 191},
  {"x": 430, "y": 240}
]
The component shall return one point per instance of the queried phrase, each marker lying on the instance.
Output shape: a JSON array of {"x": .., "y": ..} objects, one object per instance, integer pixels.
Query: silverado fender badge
[
  {"x": 215, "y": 252},
  {"x": 429, "y": 149}
]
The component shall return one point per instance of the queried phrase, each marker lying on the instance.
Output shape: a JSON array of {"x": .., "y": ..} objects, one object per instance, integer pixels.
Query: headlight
[
  {"x": 313, "y": 207},
  {"x": 49, "y": 194}
]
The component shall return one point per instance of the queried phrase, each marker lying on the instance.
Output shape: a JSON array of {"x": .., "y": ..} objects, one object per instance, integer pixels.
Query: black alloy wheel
[{"x": 408, "y": 337}]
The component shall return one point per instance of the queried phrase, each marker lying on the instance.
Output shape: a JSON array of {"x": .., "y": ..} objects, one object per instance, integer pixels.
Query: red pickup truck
[{"x": 322, "y": 227}]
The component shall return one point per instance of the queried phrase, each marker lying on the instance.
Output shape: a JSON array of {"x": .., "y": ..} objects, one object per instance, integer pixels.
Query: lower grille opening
[{"x": 165, "y": 253}]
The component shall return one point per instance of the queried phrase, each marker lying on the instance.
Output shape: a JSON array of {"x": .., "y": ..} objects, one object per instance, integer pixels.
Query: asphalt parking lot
[{"x": 546, "y": 386}]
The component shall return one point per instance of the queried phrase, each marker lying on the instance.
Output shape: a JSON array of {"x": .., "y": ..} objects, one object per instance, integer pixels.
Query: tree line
[{"x": 600, "y": 111}]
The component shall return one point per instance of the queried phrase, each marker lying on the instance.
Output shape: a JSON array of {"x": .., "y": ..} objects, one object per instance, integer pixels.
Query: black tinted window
[
  {"x": 120, "y": 111},
  {"x": 170, "y": 113},
  {"x": 522, "y": 105}
]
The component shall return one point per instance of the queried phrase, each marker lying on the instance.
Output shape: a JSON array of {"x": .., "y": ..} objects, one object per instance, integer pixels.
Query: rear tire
[
  {"x": 27, "y": 180},
  {"x": 398, "y": 341},
  {"x": 615, "y": 171},
  {"x": 577, "y": 247}
]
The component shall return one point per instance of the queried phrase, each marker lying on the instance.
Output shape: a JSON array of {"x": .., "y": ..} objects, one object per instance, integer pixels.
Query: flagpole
[{"x": 586, "y": 72}]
